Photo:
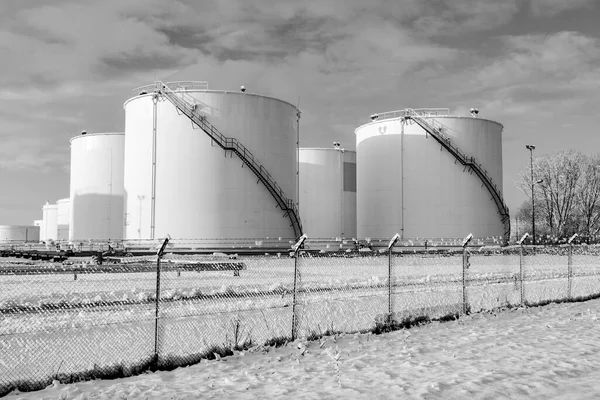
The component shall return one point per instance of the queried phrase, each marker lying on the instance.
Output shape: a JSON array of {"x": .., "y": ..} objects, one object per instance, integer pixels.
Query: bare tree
[
  {"x": 588, "y": 197},
  {"x": 557, "y": 194}
]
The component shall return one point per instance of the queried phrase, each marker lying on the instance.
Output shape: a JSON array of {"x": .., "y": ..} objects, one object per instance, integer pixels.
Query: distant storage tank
[
  {"x": 178, "y": 181},
  {"x": 19, "y": 233},
  {"x": 328, "y": 192},
  {"x": 49, "y": 228},
  {"x": 97, "y": 193},
  {"x": 63, "y": 218},
  {"x": 409, "y": 183}
]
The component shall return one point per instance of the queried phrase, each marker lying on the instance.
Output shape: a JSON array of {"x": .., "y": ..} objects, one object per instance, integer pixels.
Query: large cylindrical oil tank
[
  {"x": 408, "y": 183},
  {"x": 49, "y": 227},
  {"x": 63, "y": 218},
  {"x": 328, "y": 192},
  {"x": 178, "y": 181},
  {"x": 97, "y": 192},
  {"x": 19, "y": 233}
]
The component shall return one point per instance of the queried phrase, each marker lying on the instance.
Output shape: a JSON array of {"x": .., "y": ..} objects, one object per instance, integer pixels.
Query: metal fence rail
[{"x": 169, "y": 310}]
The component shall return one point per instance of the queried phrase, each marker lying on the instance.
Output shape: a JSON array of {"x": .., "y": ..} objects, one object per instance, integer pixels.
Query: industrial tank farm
[
  {"x": 410, "y": 183},
  {"x": 179, "y": 181},
  {"x": 96, "y": 189},
  {"x": 328, "y": 192}
]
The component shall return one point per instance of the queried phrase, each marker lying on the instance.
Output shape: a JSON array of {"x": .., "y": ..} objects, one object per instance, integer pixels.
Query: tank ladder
[
  {"x": 466, "y": 160},
  {"x": 186, "y": 104}
]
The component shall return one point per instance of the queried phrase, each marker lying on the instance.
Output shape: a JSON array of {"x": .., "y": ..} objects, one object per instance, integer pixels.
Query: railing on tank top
[
  {"x": 434, "y": 128},
  {"x": 174, "y": 86},
  {"x": 424, "y": 112},
  {"x": 186, "y": 104}
]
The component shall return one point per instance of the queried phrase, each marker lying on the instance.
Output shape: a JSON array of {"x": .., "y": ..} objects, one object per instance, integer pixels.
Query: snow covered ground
[
  {"x": 107, "y": 319},
  {"x": 550, "y": 352}
]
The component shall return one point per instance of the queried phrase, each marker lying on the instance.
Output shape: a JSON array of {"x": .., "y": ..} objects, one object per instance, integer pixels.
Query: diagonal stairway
[
  {"x": 186, "y": 104},
  {"x": 466, "y": 160}
]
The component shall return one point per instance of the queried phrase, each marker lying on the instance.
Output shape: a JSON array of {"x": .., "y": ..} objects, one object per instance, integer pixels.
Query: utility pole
[{"x": 531, "y": 147}]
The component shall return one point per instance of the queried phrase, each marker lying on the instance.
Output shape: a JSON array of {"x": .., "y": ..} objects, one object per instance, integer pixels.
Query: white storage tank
[
  {"x": 328, "y": 192},
  {"x": 409, "y": 183},
  {"x": 97, "y": 192},
  {"x": 178, "y": 181},
  {"x": 63, "y": 218},
  {"x": 19, "y": 234},
  {"x": 49, "y": 227}
]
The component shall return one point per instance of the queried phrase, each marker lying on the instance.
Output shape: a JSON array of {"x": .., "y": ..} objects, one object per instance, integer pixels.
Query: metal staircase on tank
[
  {"x": 185, "y": 103},
  {"x": 466, "y": 160}
]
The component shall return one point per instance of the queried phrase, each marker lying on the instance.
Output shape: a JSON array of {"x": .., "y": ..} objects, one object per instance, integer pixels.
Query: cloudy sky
[{"x": 68, "y": 65}]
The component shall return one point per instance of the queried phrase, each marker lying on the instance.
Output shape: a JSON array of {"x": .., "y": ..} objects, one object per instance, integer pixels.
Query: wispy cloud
[
  {"x": 541, "y": 69},
  {"x": 548, "y": 8},
  {"x": 33, "y": 152},
  {"x": 460, "y": 16}
]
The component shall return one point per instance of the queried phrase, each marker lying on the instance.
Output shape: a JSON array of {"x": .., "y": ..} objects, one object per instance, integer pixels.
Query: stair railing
[
  {"x": 470, "y": 161},
  {"x": 185, "y": 103}
]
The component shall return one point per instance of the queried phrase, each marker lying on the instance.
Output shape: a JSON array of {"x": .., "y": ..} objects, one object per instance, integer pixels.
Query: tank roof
[
  {"x": 422, "y": 112},
  {"x": 96, "y": 134},
  {"x": 195, "y": 86},
  {"x": 328, "y": 148}
]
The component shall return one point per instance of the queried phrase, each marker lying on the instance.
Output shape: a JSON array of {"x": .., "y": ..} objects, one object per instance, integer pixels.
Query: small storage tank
[
  {"x": 63, "y": 218},
  {"x": 49, "y": 227},
  {"x": 19, "y": 233},
  {"x": 96, "y": 193},
  {"x": 328, "y": 192},
  {"x": 178, "y": 181},
  {"x": 409, "y": 183}
]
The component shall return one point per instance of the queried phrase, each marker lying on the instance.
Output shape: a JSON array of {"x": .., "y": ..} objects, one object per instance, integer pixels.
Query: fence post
[
  {"x": 521, "y": 276},
  {"x": 464, "y": 274},
  {"x": 295, "y": 318},
  {"x": 159, "y": 255},
  {"x": 570, "y": 266},
  {"x": 390, "y": 273}
]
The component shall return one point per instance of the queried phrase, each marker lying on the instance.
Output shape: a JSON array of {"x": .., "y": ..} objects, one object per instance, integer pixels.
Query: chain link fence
[
  {"x": 85, "y": 321},
  {"x": 210, "y": 305},
  {"x": 341, "y": 293}
]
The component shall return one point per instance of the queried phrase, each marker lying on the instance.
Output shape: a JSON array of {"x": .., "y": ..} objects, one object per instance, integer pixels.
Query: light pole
[{"x": 531, "y": 147}]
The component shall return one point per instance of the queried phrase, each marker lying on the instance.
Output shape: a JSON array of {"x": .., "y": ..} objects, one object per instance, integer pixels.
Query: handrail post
[
  {"x": 390, "y": 284},
  {"x": 521, "y": 273},
  {"x": 295, "y": 317},
  {"x": 159, "y": 255},
  {"x": 465, "y": 265},
  {"x": 570, "y": 266}
]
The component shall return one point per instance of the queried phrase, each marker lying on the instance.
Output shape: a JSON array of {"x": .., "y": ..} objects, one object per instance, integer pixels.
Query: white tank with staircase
[
  {"x": 230, "y": 174},
  {"x": 428, "y": 174}
]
